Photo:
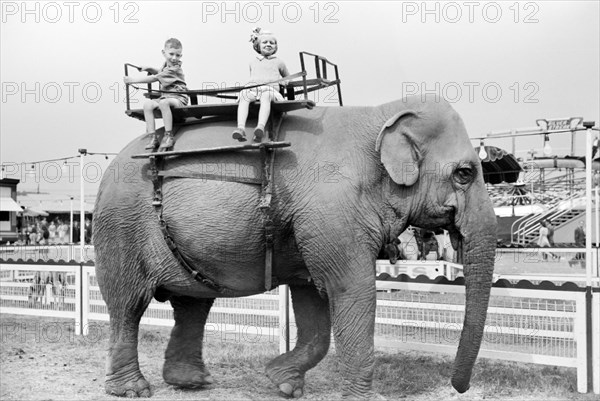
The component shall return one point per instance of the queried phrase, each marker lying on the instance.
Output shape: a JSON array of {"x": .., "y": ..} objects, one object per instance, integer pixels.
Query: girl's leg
[
  {"x": 265, "y": 108},
  {"x": 263, "y": 114},
  {"x": 245, "y": 97}
]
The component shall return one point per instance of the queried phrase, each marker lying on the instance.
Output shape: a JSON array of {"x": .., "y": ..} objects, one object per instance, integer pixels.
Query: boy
[{"x": 171, "y": 78}]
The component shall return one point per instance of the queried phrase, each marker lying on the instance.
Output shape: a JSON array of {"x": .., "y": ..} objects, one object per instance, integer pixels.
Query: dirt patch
[{"x": 41, "y": 359}]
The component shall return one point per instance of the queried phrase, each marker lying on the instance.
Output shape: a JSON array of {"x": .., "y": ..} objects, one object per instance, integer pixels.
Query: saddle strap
[
  {"x": 157, "y": 179},
  {"x": 268, "y": 157},
  {"x": 214, "y": 177}
]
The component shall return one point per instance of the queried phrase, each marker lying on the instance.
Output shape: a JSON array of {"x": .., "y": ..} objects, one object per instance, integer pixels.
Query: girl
[{"x": 264, "y": 69}]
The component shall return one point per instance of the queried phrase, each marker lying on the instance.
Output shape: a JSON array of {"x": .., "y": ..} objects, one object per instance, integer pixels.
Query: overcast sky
[{"x": 502, "y": 64}]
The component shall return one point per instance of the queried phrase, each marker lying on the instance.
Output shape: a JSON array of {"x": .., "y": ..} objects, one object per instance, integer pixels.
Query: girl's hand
[{"x": 127, "y": 80}]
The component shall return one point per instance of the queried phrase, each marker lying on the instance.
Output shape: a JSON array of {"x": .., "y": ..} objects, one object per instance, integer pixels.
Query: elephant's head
[{"x": 427, "y": 154}]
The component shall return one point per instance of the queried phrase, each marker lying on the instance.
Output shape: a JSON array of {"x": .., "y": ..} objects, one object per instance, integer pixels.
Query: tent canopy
[
  {"x": 9, "y": 205},
  {"x": 499, "y": 166},
  {"x": 29, "y": 211}
]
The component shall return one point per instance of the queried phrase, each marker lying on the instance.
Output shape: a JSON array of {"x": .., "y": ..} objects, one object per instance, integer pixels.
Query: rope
[{"x": 215, "y": 92}]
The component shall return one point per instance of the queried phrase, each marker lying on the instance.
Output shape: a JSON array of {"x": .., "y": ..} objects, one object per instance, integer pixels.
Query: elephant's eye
[{"x": 463, "y": 175}]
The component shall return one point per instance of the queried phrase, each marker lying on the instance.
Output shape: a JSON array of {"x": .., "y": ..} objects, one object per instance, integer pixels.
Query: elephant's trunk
[{"x": 478, "y": 254}]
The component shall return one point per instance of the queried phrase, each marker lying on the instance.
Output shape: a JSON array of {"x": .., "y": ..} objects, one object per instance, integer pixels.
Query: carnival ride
[{"x": 528, "y": 190}]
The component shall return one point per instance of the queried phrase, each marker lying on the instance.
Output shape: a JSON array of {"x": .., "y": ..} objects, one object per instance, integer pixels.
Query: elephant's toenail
[{"x": 286, "y": 388}]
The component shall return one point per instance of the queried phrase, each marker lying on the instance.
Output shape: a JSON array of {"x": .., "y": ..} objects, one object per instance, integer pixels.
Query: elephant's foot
[
  {"x": 130, "y": 388},
  {"x": 289, "y": 380},
  {"x": 186, "y": 375}
]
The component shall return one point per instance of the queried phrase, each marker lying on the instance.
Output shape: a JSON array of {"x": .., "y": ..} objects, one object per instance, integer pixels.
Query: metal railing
[{"x": 528, "y": 224}]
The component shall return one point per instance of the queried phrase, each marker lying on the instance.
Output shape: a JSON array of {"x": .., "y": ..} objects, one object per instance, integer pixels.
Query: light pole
[
  {"x": 82, "y": 153},
  {"x": 70, "y": 241}
]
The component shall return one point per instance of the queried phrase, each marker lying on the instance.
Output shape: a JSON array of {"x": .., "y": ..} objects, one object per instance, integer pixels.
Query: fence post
[
  {"x": 596, "y": 340},
  {"x": 78, "y": 299},
  {"x": 284, "y": 318},
  {"x": 580, "y": 334},
  {"x": 85, "y": 299}
]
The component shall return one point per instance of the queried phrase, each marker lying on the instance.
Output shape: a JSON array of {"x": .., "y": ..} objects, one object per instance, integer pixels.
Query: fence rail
[{"x": 525, "y": 325}]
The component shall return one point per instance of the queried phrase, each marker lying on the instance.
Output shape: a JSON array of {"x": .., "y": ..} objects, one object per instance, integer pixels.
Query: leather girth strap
[
  {"x": 156, "y": 164},
  {"x": 268, "y": 162}
]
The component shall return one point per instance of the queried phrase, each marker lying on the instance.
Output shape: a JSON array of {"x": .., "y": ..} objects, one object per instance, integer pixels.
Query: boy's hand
[{"x": 127, "y": 80}]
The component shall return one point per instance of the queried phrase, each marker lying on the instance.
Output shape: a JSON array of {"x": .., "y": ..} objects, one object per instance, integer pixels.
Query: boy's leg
[
  {"x": 165, "y": 108},
  {"x": 149, "y": 107}
]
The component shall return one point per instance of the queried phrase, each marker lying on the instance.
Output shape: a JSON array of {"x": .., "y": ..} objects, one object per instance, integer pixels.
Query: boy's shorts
[{"x": 182, "y": 98}]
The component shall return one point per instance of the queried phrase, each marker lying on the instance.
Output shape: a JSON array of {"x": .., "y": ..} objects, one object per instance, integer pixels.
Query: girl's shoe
[
  {"x": 153, "y": 142},
  {"x": 239, "y": 134},
  {"x": 258, "y": 135},
  {"x": 167, "y": 142}
]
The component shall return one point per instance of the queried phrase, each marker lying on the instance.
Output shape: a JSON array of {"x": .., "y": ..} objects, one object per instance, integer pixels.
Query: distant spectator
[
  {"x": 88, "y": 231},
  {"x": 45, "y": 235},
  {"x": 62, "y": 232},
  {"x": 543, "y": 239},
  {"x": 76, "y": 233},
  {"x": 550, "y": 232},
  {"x": 52, "y": 230},
  {"x": 32, "y": 234},
  {"x": 580, "y": 239}
]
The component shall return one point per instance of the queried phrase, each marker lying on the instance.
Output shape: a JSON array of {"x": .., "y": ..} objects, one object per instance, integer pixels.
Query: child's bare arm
[
  {"x": 151, "y": 70},
  {"x": 284, "y": 72},
  {"x": 143, "y": 80}
]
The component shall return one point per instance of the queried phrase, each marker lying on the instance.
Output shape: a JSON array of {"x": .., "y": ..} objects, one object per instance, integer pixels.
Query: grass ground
[{"x": 41, "y": 359}]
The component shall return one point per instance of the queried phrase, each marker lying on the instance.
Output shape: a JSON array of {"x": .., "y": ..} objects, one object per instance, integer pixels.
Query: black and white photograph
[{"x": 268, "y": 200}]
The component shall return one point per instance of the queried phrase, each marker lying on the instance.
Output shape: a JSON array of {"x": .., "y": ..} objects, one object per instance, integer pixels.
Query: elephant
[{"x": 352, "y": 180}]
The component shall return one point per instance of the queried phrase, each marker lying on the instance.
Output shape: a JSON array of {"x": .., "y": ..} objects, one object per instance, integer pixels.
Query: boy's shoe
[
  {"x": 167, "y": 142},
  {"x": 239, "y": 134},
  {"x": 153, "y": 142},
  {"x": 258, "y": 135}
]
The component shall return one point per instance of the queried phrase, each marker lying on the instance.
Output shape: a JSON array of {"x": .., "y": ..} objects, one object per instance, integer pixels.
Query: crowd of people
[{"x": 41, "y": 232}]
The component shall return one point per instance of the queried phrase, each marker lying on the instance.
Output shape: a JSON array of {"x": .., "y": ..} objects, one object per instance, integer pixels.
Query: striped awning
[{"x": 9, "y": 205}]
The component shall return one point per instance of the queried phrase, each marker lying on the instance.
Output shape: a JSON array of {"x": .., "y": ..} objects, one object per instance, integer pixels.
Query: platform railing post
[
  {"x": 303, "y": 67},
  {"x": 127, "y": 88},
  {"x": 339, "y": 88},
  {"x": 317, "y": 68}
]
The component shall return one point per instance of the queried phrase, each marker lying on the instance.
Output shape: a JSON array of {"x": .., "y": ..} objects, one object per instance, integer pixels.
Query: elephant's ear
[{"x": 399, "y": 152}]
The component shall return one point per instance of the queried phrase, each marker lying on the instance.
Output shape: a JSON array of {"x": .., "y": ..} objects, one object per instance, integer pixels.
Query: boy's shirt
[{"x": 171, "y": 78}]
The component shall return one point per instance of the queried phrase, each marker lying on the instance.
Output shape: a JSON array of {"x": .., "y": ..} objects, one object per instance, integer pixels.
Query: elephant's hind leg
[
  {"x": 184, "y": 365},
  {"x": 314, "y": 333},
  {"x": 123, "y": 376}
]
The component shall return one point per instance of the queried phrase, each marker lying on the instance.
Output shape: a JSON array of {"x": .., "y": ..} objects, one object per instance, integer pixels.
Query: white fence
[
  {"x": 526, "y": 325},
  {"x": 48, "y": 252}
]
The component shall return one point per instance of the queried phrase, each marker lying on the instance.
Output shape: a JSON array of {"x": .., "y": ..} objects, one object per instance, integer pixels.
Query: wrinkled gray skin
[{"x": 353, "y": 179}]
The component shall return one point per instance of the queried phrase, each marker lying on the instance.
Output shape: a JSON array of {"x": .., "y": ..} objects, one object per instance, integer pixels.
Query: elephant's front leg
[
  {"x": 184, "y": 365},
  {"x": 314, "y": 332},
  {"x": 352, "y": 306}
]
